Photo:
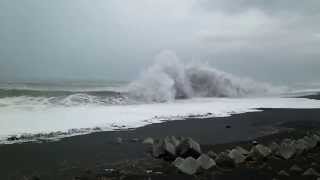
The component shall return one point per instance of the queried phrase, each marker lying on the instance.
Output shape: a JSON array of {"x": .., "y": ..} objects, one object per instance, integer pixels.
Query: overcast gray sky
[{"x": 269, "y": 40}]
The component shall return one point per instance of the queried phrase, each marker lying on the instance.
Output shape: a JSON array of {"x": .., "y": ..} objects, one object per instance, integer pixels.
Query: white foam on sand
[{"x": 19, "y": 120}]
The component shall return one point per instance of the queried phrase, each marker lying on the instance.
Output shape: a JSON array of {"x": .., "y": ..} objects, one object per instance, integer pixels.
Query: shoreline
[
  {"x": 70, "y": 157},
  {"x": 55, "y": 122}
]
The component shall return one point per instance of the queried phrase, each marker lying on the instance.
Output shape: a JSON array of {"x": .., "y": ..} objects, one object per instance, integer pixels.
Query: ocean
[{"x": 169, "y": 90}]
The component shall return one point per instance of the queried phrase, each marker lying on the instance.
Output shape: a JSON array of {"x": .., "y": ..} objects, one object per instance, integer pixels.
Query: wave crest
[
  {"x": 78, "y": 99},
  {"x": 170, "y": 79}
]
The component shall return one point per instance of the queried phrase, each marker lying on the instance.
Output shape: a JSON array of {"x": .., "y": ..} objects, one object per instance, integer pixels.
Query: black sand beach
[{"x": 71, "y": 157}]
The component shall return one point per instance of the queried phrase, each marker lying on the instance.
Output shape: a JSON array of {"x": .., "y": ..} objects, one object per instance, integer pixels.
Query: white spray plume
[{"x": 170, "y": 79}]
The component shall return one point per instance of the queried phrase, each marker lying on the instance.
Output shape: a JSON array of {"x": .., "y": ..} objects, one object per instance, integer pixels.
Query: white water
[{"x": 44, "y": 119}]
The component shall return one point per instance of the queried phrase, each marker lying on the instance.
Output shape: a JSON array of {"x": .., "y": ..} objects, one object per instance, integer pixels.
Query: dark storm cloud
[
  {"x": 286, "y": 27},
  {"x": 80, "y": 39},
  {"x": 308, "y": 7}
]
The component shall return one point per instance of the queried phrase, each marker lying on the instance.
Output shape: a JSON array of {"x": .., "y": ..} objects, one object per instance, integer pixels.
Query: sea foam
[{"x": 45, "y": 120}]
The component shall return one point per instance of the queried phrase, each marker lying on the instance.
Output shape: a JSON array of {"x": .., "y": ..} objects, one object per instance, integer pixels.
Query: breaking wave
[
  {"x": 36, "y": 99},
  {"x": 170, "y": 79}
]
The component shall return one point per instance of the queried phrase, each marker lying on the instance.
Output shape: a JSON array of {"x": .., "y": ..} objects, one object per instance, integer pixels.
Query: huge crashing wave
[
  {"x": 169, "y": 79},
  {"x": 166, "y": 80}
]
